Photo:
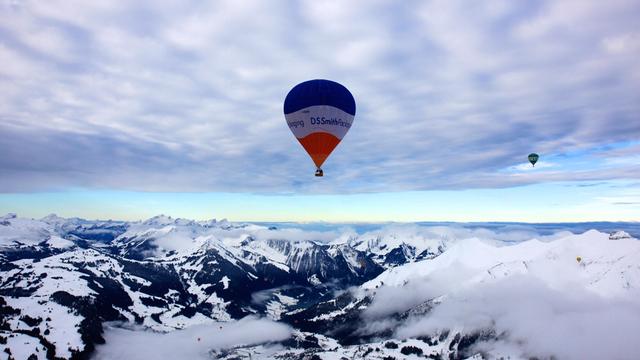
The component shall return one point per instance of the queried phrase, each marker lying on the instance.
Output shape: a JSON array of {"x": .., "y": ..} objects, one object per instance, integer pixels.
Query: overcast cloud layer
[{"x": 170, "y": 96}]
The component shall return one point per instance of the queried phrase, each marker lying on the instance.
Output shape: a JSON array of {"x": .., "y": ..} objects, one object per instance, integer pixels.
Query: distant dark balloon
[{"x": 533, "y": 158}]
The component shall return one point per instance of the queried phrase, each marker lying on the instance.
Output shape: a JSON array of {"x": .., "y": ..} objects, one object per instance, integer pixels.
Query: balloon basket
[{"x": 319, "y": 172}]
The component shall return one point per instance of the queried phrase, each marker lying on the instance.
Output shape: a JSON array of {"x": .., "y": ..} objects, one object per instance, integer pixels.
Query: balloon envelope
[
  {"x": 533, "y": 158},
  {"x": 319, "y": 114}
]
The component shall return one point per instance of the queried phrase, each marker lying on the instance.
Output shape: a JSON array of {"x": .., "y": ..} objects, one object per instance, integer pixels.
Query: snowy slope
[
  {"x": 16, "y": 231},
  {"x": 607, "y": 267}
]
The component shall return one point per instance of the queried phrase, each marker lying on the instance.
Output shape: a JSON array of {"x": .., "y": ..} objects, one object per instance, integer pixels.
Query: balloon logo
[
  {"x": 319, "y": 114},
  {"x": 533, "y": 158}
]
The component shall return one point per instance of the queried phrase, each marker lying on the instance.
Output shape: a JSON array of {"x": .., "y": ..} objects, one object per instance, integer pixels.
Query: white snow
[
  {"x": 313, "y": 280},
  {"x": 59, "y": 243},
  {"x": 275, "y": 308},
  {"x": 64, "y": 335},
  {"x": 24, "y": 231},
  {"x": 286, "y": 300},
  {"x": 22, "y": 346},
  {"x": 617, "y": 235},
  {"x": 225, "y": 281}
]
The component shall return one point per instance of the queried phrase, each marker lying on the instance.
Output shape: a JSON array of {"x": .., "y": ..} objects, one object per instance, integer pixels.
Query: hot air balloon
[
  {"x": 533, "y": 158},
  {"x": 319, "y": 114}
]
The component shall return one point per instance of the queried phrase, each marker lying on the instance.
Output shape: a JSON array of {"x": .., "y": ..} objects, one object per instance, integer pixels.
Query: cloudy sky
[{"x": 123, "y": 110}]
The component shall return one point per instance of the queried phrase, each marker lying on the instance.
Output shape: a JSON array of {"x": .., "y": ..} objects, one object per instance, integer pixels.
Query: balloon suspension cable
[{"x": 319, "y": 172}]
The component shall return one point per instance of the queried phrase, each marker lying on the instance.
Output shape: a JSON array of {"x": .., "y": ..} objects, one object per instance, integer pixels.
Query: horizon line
[{"x": 355, "y": 222}]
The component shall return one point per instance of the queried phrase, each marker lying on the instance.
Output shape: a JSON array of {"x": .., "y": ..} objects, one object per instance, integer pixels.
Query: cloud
[
  {"x": 397, "y": 299},
  {"x": 177, "y": 97},
  {"x": 629, "y": 199},
  {"x": 194, "y": 342},
  {"x": 623, "y": 43},
  {"x": 290, "y": 234},
  {"x": 498, "y": 234},
  {"x": 528, "y": 167},
  {"x": 541, "y": 321}
]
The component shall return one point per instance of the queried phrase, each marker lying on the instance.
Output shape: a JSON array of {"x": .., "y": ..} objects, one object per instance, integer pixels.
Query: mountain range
[{"x": 376, "y": 294}]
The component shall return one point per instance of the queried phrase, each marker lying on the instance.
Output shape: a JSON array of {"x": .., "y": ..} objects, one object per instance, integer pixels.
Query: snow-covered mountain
[
  {"x": 591, "y": 261},
  {"x": 162, "y": 273},
  {"x": 392, "y": 292},
  {"x": 397, "y": 244},
  {"x": 493, "y": 300}
]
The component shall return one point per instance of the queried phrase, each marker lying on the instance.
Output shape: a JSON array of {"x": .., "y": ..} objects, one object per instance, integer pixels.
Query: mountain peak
[
  {"x": 619, "y": 235},
  {"x": 161, "y": 219},
  {"x": 9, "y": 216},
  {"x": 52, "y": 218}
]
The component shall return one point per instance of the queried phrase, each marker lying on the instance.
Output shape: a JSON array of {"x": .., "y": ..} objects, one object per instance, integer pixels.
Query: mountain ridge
[{"x": 63, "y": 279}]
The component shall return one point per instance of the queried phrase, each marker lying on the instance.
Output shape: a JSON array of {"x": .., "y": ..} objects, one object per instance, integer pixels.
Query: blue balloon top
[{"x": 319, "y": 92}]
